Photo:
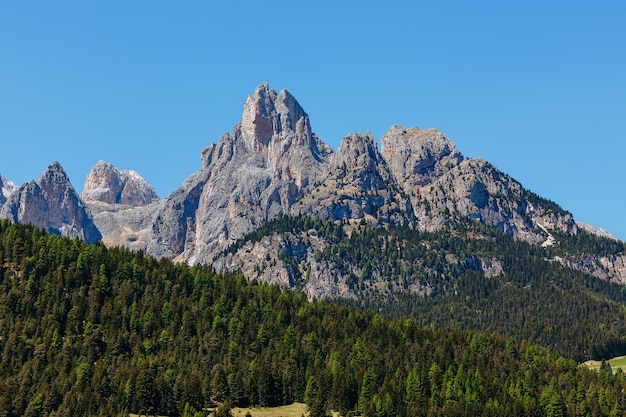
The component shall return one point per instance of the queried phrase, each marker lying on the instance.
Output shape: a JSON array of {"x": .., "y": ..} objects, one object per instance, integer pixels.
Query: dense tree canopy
[
  {"x": 88, "y": 330},
  {"x": 532, "y": 298}
]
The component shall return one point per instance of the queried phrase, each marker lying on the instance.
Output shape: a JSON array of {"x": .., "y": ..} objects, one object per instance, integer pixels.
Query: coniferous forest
[
  {"x": 94, "y": 331},
  {"x": 532, "y": 298}
]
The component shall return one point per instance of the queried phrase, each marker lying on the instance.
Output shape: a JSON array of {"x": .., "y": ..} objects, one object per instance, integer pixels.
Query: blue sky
[{"x": 538, "y": 88}]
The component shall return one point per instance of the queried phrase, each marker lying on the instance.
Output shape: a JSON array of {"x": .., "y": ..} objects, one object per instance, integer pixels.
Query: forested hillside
[
  {"x": 467, "y": 276},
  {"x": 86, "y": 330}
]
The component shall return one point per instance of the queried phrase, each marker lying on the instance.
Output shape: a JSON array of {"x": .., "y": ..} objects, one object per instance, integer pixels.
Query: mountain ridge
[{"x": 272, "y": 165}]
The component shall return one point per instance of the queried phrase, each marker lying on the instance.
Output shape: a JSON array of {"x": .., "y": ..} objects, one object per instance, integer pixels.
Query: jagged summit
[
  {"x": 252, "y": 175},
  {"x": 51, "y": 202},
  {"x": 357, "y": 151},
  {"x": 111, "y": 185},
  {"x": 419, "y": 156},
  {"x": 359, "y": 185},
  {"x": 271, "y": 124},
  {"x": 267, "y": 114}
]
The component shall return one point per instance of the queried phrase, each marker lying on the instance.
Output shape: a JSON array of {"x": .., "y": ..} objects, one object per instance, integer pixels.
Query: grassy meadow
[{"x": 616, "y": 363}]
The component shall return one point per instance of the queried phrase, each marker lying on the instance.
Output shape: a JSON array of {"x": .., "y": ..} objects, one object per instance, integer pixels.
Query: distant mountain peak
[
  {"x": 111, "y": 185},
  {"x": 266, "y": 114},
  {"x": 54, "y": 172}
]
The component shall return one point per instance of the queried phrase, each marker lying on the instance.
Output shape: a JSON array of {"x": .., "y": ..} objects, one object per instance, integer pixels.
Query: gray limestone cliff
[
  {"x": 122, "y": 204},
  {"x": 359, "y": 185},
  {"x": 442, "y": 183},
  {"x": 252, "y": 175},
  {"x": 51, "y": 202}
]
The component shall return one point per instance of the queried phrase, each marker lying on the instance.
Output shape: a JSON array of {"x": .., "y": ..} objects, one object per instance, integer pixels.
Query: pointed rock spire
[
  {"x": 267, "y": 113},
  {"x": 251, "y": 176},
  {"x": 51, "y": 202}
]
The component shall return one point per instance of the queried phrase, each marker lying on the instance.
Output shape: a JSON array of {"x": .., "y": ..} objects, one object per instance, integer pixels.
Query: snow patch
[
  {"x": 8, "y": 187},
  {"x": 550, "y": 240}
]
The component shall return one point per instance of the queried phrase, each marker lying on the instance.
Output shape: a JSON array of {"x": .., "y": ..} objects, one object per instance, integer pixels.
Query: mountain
[
  {"x": 441, "y": 181},
  {"x": 6, "y": 189},
  {"x": 252, "y": 175},
  {"x": 121, "y": 204},
  {"x": 414, "y": 229},
  {"x": 358, "y": 185},
  {"x": 272, "y": 165},
  {"x": 51, "y": 202},
  {"x": 115, "y": 186}
]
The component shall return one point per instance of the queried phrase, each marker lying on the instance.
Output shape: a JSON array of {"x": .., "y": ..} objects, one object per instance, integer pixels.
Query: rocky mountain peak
[
  {"x": 51, "y": 202},
  {"x": 358, "y": 185},
  {"x": 417, "y": 155},
  {"x": 251, "y": 176},
  {"x": 111, "y": 185},
  {"x": 54, "y": 175},
  {"x": 266, "y": 114},
  {"x": 6, "y": 189},
  {"x": 357, "y": 151}
]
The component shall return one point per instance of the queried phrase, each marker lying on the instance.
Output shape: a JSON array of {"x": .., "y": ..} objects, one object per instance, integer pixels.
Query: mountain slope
[
  {"x": 466, "y": 275},
  {"x": 440, "y": 181},
  {"x": 52, "y": 203},
  {"x": 105, "y": 331}
]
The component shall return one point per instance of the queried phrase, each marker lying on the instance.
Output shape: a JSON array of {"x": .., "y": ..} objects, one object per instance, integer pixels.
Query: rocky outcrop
[
  {"x": 51, "y": 203},
  {"x": 122, "y": 205},
  {"x": 442, "y": 184},
  {"x": 122, "y": 225},
  {"x": 252, "y": 175},
  {"x": 264, "y": 260},
  {"x": 110, "y": 185},
  {"x": 595, "y": 230},
  {"x": 359, "y": 185},
  {"x": 419, "y": 157},
  {"x": 6, "y": 189},
  {"x": 611, "y": 267}
]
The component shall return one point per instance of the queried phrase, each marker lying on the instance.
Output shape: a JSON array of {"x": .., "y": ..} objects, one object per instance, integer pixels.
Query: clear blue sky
[{"x": 538, "y": 88}]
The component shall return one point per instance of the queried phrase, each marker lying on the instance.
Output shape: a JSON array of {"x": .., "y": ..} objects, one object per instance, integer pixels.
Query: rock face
[
  {"x": 51, "y": 202},
  {"x": 252, "y": 175},
  {"x": 441, "y": 182},
  {"x": 114, "y": 186},
  {"x": 359, "y": 185},
  {"x": 325, "y": 281},
  {"x": 598, "y": 231},
  {"x": 6, "y": 189},
  {"x": 419, "y": 157}
]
